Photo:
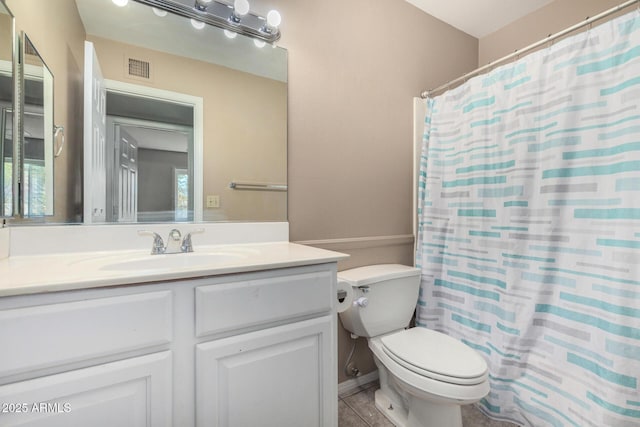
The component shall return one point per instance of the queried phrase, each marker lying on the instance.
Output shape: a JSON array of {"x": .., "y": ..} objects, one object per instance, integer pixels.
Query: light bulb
[
  {"x": 198, "y": 25},
  {"x": 202, "y": 4},
  {"x": 159, "y": 12},
  {"x": 240, "y": 7},
  {"x": 230, "y": 34},
  {"x": 273, "y": 18},
  {"x": 120, "y": 3},
  {"x": 259, "y": 43}
]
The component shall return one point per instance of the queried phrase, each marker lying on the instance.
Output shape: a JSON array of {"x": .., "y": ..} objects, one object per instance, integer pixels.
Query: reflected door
[
  {"x": 127, "y": 176},
  {"x": 95, "y": 116}
]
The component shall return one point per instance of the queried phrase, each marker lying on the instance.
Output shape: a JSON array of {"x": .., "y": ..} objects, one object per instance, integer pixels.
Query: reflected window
[
  {"x": 7, "y": 163},
  {"x": 35, "y": 198},
  {"x": 181, "y": 194},
  {"x": 6, "y": 190},
  {"x": 34, "y": 170}
]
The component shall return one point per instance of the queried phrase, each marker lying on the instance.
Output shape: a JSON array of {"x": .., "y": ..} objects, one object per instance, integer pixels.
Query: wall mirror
[
  {"x": 165, "y": 119},
  {"x": 6, "y": 110}
]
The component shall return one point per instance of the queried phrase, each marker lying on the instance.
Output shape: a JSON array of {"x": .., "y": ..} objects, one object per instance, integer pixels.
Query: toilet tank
[{"x": 391, "y": 293}]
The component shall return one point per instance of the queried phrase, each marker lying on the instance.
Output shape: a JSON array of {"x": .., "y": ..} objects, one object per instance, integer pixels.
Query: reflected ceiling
[{"x": 136, "y": 24}]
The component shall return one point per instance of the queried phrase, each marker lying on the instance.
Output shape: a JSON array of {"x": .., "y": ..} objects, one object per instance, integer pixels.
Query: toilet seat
[{"x": 435, "y": 355}]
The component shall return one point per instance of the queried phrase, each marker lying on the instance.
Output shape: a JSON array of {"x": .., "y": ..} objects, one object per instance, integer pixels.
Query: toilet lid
[
  {"x": 436, "y": 355},
  {"x": 370, "y": 274}
]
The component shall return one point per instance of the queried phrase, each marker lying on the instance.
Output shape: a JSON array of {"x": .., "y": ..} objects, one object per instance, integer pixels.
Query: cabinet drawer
[
  {"x": 228, "y": 306},
  {"x": 51, "y": 335}
]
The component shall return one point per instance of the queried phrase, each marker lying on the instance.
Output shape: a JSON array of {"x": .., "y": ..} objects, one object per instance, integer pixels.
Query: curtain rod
[{"x": 550, "y": 38}]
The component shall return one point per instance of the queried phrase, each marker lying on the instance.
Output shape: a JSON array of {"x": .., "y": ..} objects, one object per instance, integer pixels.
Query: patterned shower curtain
[{"x": 529, "y": 228}]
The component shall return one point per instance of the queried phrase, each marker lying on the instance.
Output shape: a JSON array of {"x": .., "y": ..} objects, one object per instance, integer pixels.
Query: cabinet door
[
  {"x": 132, "y": 392},
  {"x": 278, "y": 377}
]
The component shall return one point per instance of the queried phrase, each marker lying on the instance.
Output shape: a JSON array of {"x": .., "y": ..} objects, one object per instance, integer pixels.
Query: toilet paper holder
[{"x": 343, "y": 294}]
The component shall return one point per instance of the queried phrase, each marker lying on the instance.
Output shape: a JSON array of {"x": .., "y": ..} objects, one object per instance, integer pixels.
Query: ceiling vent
[{"x": 138, "y": 69}]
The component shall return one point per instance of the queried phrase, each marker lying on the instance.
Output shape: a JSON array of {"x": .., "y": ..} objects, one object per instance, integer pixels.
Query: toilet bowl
[
  {"x": 432, "y": 386},
  {"x": 425, "y": 375}
]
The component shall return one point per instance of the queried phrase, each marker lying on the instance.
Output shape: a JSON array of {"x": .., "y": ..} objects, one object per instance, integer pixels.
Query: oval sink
[{"x": 173, "y": 261}]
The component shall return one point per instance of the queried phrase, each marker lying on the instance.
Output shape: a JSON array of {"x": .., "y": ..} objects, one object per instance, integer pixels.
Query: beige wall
[
  {"x": 5, "y": 37},
  {"x": 354, "y": 67},
  {"x": 244, "y": 126},
  {"x": 536, "y": 26},
  {"x": 60, "y": 43}
]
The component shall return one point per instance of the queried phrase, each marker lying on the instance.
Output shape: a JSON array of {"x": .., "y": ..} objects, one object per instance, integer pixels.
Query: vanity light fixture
[
  {"x": 235, "y": 17},
  {"x": 120, "y": 3},
  {"x": 230, "y": 34},
  {"x": 259, "y": 43}
]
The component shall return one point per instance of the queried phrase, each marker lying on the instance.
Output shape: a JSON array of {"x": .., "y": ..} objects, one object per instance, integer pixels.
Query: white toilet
[{"x": 424, "y": 375}]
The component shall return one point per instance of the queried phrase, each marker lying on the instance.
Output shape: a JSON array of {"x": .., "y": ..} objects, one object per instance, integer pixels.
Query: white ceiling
[
  {"x": 159, "y": 139},
  {"x": 479, "y": 17}
]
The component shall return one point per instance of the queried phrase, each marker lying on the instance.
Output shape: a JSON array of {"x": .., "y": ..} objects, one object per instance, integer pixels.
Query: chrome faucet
[{"x": 174, "y": 244}]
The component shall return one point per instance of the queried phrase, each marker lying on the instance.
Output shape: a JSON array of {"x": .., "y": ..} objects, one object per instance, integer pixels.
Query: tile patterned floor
[{"x": 357, "y": 409}]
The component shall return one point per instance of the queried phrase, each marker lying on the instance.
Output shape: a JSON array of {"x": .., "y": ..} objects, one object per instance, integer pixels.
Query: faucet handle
[
  {"x": 187, "y": 245},
  {"x": 158, "y": 243}
]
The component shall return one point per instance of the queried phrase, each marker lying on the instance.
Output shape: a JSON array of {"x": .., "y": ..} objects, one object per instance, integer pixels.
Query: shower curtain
[{"x": 529, "y": 228}]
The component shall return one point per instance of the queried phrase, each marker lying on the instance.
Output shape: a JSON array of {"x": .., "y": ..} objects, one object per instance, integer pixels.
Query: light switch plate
[{"x": 213, "y": 201}]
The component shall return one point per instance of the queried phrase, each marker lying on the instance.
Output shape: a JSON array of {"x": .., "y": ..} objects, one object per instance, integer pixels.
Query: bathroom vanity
[{"x": 103, "y": 339}]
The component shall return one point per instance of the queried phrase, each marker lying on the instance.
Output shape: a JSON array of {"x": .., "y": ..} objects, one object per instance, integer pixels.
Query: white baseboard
[{"x": 353, "y": 383}]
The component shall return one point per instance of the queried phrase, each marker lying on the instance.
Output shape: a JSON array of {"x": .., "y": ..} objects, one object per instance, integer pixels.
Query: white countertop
[{"x": 31, "y": 274}]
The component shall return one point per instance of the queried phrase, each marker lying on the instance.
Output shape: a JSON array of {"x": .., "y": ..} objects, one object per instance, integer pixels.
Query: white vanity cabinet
[
  {"x": 275, "y": 376},
  {"x": 232, "y": 350}
]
